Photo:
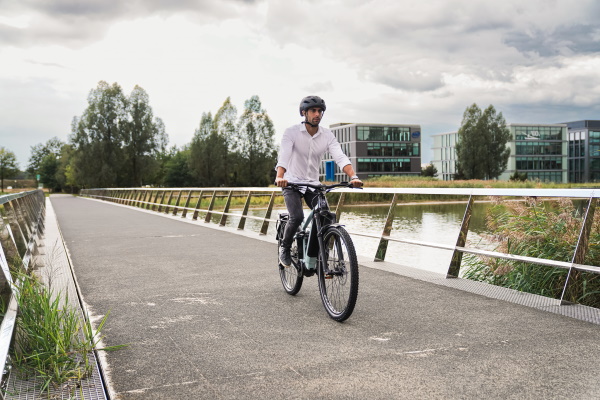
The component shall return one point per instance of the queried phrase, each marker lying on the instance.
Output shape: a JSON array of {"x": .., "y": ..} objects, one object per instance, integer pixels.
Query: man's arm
[
  {"x": 348, "y": 170},
  {"x": 280, "y": 181}
]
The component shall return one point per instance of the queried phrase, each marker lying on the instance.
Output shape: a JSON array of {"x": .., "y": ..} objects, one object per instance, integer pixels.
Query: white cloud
[{"x": 373, "y": 61}]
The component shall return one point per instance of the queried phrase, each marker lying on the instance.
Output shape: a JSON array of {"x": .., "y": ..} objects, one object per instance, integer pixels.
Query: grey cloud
[
  {"x": 387, "y": 41},
  {"x": 564, "y": 40},
  {"x": 401, "y": 78},
  {"x": 75, "y": 23},
  {"x": 319, "y": 87}
]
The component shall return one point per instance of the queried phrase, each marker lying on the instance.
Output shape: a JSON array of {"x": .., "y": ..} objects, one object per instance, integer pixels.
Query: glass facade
[
  {"x": 527, "y": 132},
  {"x": 378, "y": 149},
  {"x": 594, "y": 155},
  {"x": 393, "y": 149},
  {"x": 444, "y": 155},
  {"x": 383, "y": 133},
  {"x": 538, "y": 151},
  {"x": 584, "y": 151},
  {"x": 379, "y": 165}
]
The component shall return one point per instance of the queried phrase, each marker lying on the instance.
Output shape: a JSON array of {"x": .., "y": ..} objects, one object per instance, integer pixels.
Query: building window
[
  {"x": 536, "y": 147},
  {"x": 368, "y": 165},
  {"x": 379, "y": 149},
  {"x": 538, "y": 132},
  {"x": 383, "y": 133}
]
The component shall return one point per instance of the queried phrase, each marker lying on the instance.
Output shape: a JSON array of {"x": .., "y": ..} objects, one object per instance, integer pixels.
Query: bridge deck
[{"x": 205, "y": 316}]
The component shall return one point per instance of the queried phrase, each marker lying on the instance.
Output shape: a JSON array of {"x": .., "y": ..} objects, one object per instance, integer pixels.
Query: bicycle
[{"x": 335, "y": 263}]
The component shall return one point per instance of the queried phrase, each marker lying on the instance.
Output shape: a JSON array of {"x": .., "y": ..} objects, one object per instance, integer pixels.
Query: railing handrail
[
  {"x": 133, "y": 196},
  {"x": 24, "y": 221},
  {"x": 517, "y": 192}
]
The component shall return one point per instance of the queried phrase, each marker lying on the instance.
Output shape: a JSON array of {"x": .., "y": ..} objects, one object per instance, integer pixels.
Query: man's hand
[
  {"x": 356, "y": 182},
  {"x": 281, "y": 182}
]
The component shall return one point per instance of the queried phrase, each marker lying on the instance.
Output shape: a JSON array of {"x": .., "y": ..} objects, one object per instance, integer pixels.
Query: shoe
[{"x": 285, "y": 258}]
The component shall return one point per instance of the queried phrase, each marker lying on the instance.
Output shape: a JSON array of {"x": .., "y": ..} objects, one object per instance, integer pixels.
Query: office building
[
  {"x": 376, "y": 150},
  {"x": 539, "y": 150},
  {"x": 584, "y": 151}
]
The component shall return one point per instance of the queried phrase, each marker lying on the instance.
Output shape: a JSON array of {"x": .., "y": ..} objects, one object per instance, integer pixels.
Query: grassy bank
[{"x": 423, "y": 182}]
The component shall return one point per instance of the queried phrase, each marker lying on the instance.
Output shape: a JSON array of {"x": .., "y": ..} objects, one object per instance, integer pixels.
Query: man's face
[{"x": 314, "y": 115}]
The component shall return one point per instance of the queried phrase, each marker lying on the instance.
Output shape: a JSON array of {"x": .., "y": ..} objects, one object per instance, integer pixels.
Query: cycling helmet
[{"x": 312, "y": 101}]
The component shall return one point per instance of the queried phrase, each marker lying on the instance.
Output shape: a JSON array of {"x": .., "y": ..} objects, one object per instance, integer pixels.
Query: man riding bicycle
[{"x": 302, "y": 149}]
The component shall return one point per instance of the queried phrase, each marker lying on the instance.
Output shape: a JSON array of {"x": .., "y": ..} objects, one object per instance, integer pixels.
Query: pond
[{"x": 426, "y": 222}]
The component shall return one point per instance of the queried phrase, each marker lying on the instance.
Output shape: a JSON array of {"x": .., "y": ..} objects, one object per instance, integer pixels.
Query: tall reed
[{"x": 538, "y": 229}]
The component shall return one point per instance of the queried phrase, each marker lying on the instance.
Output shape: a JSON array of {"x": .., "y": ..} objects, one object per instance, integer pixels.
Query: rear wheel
[
  {"x": 291, "y": 277},
  {"x": 338, "y": 274}
]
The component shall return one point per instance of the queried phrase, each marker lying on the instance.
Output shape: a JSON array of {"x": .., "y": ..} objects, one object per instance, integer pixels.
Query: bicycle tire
[
  {"x": 291, "y": 277},
  {"x": 339, "y": 290}
]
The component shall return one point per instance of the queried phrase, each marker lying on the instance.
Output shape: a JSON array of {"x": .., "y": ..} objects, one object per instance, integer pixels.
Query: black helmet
[{"x": 312, "y": 101}]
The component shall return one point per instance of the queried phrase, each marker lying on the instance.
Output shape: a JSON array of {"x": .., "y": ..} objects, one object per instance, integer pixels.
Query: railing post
[
  {"x": 187, "y": 204},
  {"x": 210, "y": 207},
  {"x": 160, "y": 203},
  {"x": 176, "y": 208},
  {"x": 387, "y": 229},
  {"x": 197, "y": 207},
  {"x": 152, "y": 202},
  {"x": 242, "y": 223},
  {"x": 338, "y": 208},
  {"x": 226, "y": 210},
  {"x": 580, "y": 250},
  {"x": 265, "y": 225},
  {"x": 168, "y": 205},
  {"x": 454, "y": 268}
]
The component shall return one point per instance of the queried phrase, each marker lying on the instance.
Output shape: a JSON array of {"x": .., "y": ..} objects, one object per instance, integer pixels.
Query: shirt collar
[{"x": 303, "y": 129}]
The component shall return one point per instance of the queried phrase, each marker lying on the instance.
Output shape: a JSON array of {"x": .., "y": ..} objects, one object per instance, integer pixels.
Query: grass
[
  {"x": 425, "y": 182},
  {"x": 53, "y": 341},
  {"x": 539, "y": 229}
]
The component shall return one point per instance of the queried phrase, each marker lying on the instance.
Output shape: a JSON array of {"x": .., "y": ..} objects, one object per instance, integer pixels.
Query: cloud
[
  {"x": 76, "y": 23},
  {"x": 563, "y": 40},
  {"x": 412, "y": 46}
]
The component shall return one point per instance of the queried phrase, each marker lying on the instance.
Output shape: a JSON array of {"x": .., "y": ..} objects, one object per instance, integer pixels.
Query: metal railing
[
  {"x": 189, "y": 200},
  {"x": 21, "y": 225}
]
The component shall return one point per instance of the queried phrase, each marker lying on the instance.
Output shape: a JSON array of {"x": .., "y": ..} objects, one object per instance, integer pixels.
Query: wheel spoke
[{"x": 339, "y": 285}]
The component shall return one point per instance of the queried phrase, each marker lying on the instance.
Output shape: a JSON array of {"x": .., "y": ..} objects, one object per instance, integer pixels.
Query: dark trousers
[{"x": 293, "y": 202}]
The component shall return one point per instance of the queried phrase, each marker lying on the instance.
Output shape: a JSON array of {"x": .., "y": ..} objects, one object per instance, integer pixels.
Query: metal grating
[
  {"x": 55, "y": 271},
  {"x": 584, "y": 313}
]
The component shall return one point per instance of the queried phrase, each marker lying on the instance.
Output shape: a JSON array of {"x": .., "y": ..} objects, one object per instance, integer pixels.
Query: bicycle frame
[{"x": 317, "y": 216}]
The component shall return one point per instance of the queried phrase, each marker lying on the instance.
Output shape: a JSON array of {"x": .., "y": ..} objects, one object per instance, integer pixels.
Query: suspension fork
[{"x": 322, "y": 251}]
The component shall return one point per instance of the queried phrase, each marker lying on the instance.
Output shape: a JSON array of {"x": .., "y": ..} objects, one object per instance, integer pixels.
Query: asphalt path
[{"x": 205, "y": 317}]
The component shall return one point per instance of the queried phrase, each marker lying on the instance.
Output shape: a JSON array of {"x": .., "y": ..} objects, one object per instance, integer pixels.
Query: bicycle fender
[{"x": 326, "y": 227}]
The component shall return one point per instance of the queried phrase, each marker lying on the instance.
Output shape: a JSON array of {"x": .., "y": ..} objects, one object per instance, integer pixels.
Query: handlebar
[{"x": 297, "y": 186}]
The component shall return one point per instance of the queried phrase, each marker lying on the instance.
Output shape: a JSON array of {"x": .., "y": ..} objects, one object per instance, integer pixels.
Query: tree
[
  {"x": 143, "y": 137},
  {"x": 98, "y": 136},
  {"x": 481, "y": 151},
  {"x": 429, "y": 170},
  {"x": 209, "y": 155},
  {"x": 8, "y": 166},
  {"x": 177, "y": 170},
  {"x": 117, "y": 140},
  {"x": 44, "y": 161},
  {"x": 255, "y": 148},
  {"x": 41, "y": 150}
]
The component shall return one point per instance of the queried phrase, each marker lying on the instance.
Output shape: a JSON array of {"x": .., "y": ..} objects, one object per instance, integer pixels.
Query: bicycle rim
[
  {"x": 291, "y": 277},
  {"x": 339, "y": 289}
]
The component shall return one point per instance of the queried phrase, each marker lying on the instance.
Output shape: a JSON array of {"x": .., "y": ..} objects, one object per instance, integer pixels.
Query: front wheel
[{"x": 338, "y": 274}]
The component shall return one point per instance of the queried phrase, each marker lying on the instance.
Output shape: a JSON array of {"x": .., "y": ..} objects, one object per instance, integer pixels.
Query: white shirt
[{"x": 301, "y": 154}]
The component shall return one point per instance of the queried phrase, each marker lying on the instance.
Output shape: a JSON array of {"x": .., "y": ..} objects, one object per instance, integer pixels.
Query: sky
[{"x": 380, "y": 61}]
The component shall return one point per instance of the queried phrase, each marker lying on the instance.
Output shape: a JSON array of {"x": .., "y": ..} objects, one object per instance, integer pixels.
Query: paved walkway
[{"x": 205, "y": 317}]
